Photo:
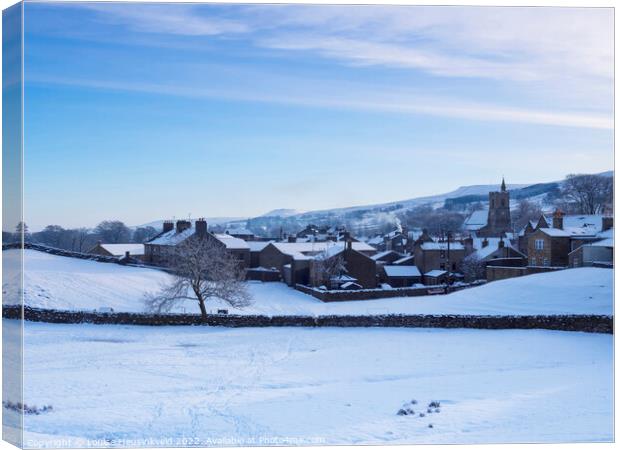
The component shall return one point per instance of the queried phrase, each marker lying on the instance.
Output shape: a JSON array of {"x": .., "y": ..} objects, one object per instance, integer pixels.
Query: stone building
[
  {"x": 498, "y": 218},
  {"x": 158, "y": 249},
  {"x": 293, "y": 259},
  {"x": 430, "y": 256},
  {"x": 118, "y": 250}
]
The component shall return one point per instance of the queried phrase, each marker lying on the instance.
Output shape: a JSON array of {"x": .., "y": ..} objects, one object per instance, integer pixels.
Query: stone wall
[
  {"x": 374, "y": 294},
  {"x": 590, "y": 324}
]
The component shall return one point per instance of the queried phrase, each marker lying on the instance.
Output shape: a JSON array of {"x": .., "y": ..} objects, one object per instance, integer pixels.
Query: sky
[{"x": 141, "y": 112}]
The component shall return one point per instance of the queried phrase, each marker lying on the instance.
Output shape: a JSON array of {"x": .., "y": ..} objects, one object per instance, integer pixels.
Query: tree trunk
[{"x": 203, "y": 308}]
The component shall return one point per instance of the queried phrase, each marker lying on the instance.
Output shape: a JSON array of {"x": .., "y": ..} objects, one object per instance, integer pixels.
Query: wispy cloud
[
  {"x": 179, "y": 19},
  {"x": 397, "y": 102}
]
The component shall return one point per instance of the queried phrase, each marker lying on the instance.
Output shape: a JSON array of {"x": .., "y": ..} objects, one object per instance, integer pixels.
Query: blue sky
[{"x": 147, "y": 111}]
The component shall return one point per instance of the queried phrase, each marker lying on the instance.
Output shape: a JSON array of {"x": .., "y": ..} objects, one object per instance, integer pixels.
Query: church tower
[{"x": 498, "y": 221}]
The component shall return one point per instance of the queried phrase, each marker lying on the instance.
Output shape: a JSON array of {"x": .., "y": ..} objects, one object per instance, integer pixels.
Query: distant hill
[{"x": 368, "y": 219}]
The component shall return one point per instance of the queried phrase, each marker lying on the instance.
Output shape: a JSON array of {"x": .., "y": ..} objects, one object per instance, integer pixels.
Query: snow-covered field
[
  {"x": 68, "y": 283},
  {"x": 123, "y": 385}
]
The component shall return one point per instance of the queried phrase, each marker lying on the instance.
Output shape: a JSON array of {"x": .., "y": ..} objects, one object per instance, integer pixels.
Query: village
[{"x": 322, "y": 260}]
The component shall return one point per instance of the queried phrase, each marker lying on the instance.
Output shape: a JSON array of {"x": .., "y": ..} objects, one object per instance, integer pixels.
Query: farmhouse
[
  {"x": 293, "y": 259},
  {"x": 158, "y": 249},
  {"x": 439, "y": 256},
  {"x": 118, "y": 250},
  {"x": 402, "y": 276}
]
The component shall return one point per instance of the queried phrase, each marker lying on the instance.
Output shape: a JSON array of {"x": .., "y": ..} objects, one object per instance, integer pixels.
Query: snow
[
  {"x": 231, "y": 242},
  {"x": 305, "y": 250},
  {"x": 604, "y": 243},
  {"x": 257, "y": 246},
  {"x": 67, "y": 283},
  {"x": 172, "y": 237},
  {"x": 120, "y": 249},
  {"x": 202, "y": 386},
  {"x": 435, "y": 273},
  {"x": 442, "y": 246},
  {"x": 402, "y": 271},
  {"x": 477, "y": 220},
  {"x": 405, "y": 259}
]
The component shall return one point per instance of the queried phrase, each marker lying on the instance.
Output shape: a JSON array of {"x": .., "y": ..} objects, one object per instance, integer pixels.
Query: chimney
[
  {"x": 500, "y": 244},
  {"x": 183, "y": 225},
  {"x": 348, "y": 240},
  {"x": 126, "y": 254},
  {"x": 558, "y": 219},
  {"x": 485, "y": 242},
  {"x": 608, "y": 222},
  {"x": 168, "y": 225},
  {"x": 291, "y": 238},
  {"x": 201, "y": 227}
]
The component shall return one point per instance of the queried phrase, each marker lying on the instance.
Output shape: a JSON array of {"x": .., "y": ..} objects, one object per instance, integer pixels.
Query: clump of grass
[{"x": 22, "y": 408}]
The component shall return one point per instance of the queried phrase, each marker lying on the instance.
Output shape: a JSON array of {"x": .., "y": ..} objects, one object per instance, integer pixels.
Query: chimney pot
[{"x": 201, "y": 226}]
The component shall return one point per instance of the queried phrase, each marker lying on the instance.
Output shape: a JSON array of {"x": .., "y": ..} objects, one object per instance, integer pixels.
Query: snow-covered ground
[
  {"x": 123, "y": 385},
  {"x": 68, "y": 283}
]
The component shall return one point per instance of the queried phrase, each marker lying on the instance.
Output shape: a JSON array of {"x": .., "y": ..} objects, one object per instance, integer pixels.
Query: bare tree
[
  {"x": 143, "y": 234},
  {"x": 113, "y": 232},
  {"x": 589, "y": 193},
  {"x": 325, "y": 267},
  {"x": 473, "y": 268},
  {"x": 201, "y": 269},
  {"x": 525, "y": 212}
]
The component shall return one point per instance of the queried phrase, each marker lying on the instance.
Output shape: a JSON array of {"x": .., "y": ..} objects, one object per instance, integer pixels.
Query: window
[
  {"x": 539, "y": 244},
  {"x": 442, "y": 254},
  {"x": 442, "y": 266},
  {"x": 545, "y": 262},
  {"x": 533, "y": 262}
]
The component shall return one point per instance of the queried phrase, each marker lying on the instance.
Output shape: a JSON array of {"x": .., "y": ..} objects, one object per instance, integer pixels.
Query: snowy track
[{"x": 338, "y": 386}]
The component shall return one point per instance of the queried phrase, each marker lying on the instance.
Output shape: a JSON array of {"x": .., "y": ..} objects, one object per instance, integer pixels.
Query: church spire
[{"x": 503, "y": 185}]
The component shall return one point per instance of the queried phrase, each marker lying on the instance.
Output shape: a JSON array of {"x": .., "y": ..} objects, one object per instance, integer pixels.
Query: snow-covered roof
[
  {"x": 609, "y": 242},
  {"x": 257, "y": 246},
  {"x": 239, "y": 231},
  {"x": 442, "y": 246},
  {"x": 404, "y": 259},
  {"x": 402, "y": 271},
  {"x": 232, "y": 243},
  {"x": 570, "y": 231},
  {"x": 476, "y": 220},
  {"x": 435, "y": 273},
  {"x": 377, "y": 240},
  {"x": 306, "y": 250},
  {"x": 351, "y": 284},
  {"x": 383, "y": 254},
  {"x": 173, "y": 238},
  {"x": 120, "y": 249}
]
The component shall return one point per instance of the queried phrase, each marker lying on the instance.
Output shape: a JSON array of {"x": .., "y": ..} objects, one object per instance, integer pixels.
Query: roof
[
  {"x": 120, "y": 249},
  {"x": 239, "y": 231},
  {"x": 257, "y": 246},
  {"x": 377, "y": 240},
  {"x": 402, "y": 271},
  {"x": 570, "y": 231},
  {"x": 173, "y": 238},
  {"x": 383, "y": 254},
  {"x": 350, "y": 284},
  {"x": 476, "y": 220},
  {"x": 609, "y": 242},
  {"x": 404, "y": 259},
  {"x": 232, "y": 243},
  {"x": 306, "y": 250},
  {"x": 435, "y": 273},
  {"x": 442, "y": 246}
]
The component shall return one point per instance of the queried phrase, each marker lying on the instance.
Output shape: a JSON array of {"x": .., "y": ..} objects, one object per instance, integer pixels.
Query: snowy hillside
[
  {"x": 73, "y": 284},
  {"x": 203, "y": 386}
]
